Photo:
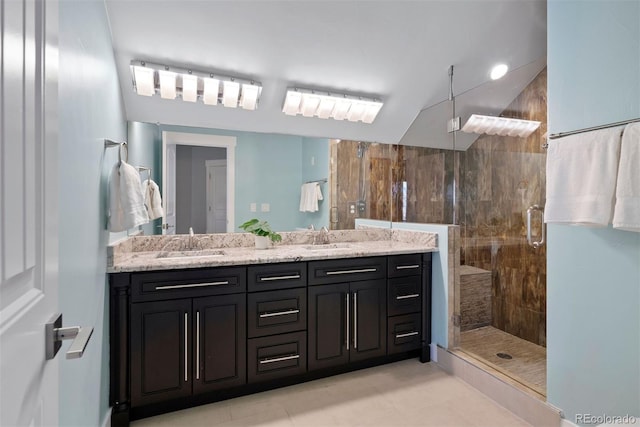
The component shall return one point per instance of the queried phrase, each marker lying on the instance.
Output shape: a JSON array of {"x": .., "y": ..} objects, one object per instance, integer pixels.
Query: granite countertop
[{"x": 148, "y": 253}]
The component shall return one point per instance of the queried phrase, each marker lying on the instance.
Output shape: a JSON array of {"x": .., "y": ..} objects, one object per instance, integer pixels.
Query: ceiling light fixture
[
  {"x": 324, "y": 105},
  {"x": 499, "y": 71},
  {"x": 192, "y": 85},
  {"x": 503, "y": 126}
]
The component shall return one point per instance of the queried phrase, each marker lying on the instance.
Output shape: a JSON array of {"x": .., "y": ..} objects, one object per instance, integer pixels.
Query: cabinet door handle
[
  {"x": 408, "y": 334},
  {"x": 280, "y": 313},
  {"x": 346, "y": 321},
  {"x": 191, "y": 285},
  {"x": 407, "y": 267},
  {"x": 186, "y": 349},
  {"x": 279, "y": 359},
  {"x": 355, "y": 320},
  {"x": 198, "y": 345},
  {"x": 362, "y": 270},
  {"x": 407, "y": 296},
  {"x": 268, "y": 279}
]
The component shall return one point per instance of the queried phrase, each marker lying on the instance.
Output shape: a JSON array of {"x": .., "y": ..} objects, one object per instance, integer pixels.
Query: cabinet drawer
[
  {"x": 187, "y": 283},
  {"x": 277, "y": 312},
  {"x": 347, "y": 270},
  {"x": 404, "y": 295},
  {"x": 270, "y": 277},
  {"x": 277, "y": 356},
  {"x": 405, "y": 265},
  {"x": 404, "y": 333}
]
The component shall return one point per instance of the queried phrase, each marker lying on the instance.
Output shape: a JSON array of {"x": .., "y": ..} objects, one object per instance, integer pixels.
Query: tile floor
[
  {"x": 406, "y": 393},
  {"x": 529, "y": 362}
]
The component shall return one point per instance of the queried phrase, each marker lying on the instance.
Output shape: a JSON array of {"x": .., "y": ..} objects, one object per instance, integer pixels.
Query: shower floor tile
[{"x": 528, "y": 364}]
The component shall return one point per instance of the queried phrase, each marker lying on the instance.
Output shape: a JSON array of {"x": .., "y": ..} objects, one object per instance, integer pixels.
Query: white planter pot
[{"x": 262, "y": 242}]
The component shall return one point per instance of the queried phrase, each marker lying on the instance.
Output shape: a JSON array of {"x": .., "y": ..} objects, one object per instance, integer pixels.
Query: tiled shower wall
[
  {"x": 498, "y": 178},
  {"x": 501, "y": 178}
]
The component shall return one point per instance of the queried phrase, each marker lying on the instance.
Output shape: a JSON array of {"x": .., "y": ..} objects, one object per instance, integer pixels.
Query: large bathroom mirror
[{"x": 263, "y": 174}]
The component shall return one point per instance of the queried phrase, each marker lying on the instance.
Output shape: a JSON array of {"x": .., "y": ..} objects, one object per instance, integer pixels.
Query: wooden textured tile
[
  {"x": 475, "y": 297},
  {"x": 528, "y": 360}
]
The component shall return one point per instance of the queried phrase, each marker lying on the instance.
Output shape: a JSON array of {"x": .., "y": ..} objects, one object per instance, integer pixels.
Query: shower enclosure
[
  {"x": 501, "y": 299},
  {"x": 489, "y": 188}
]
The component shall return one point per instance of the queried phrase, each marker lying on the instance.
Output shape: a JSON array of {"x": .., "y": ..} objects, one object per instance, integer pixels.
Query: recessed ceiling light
[{"x": 498, "y": 71}]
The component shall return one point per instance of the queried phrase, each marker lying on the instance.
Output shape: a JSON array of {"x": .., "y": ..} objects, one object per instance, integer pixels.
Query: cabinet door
[
  {"x": 369, "y": 319},
  {"x": 160, "y": 351},
  {"x": 328, "y": 333},
  {"x": 220, "y": 353}
]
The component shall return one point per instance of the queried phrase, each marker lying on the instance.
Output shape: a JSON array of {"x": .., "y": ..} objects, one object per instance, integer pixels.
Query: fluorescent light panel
[
  {"x": 167, "y": 84},
  {"x": 249, "y": 97},
  {"x": 325, "y": 105},
  {"x": 211, "y": 90},
  {"x": 194, "y": 84},
  {"x": 230, "y": 92},
  {"x": 503, "y": 126},
  {"x": 144, "y": 80}
]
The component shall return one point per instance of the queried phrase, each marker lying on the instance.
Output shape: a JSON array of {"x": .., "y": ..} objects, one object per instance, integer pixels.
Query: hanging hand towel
[
  {"x": 626, "y": 214},
  {"x": 310, "y": 193},
  {"x": 152, "y": 199},
  {"x": 581, "y": 178},
  {"x": 126, "y": 202}
]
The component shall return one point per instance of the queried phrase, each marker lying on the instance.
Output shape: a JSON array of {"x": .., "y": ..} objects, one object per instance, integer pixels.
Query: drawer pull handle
[
  {"x": 279, "y": 359},
  {"x": 408, "y": 334},
  {"x": 268, "y": 279},
  {"x": 362, "y": 270},
  {"x": 186, "y": 348},
  {"x": 399, "y": 297},
  {"x": 191, "y": 285},
  {"x": 407, "y": 267},
  {"x": 279, "y": 313}
]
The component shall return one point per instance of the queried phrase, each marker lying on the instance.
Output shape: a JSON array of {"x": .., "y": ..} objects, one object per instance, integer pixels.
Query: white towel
[
  {"x": 626, "y": 214},
  {"x": 310, "y": 193},
  {"x": 152, "y": 199},
  {"x": 581, "y": 178},
  {"x": 126, "y": 202}
]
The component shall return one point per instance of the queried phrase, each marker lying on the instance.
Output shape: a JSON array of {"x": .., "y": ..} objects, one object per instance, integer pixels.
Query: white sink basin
[
  {"x": 327, "y": 246},
  {"x": 205, "y": 253}
]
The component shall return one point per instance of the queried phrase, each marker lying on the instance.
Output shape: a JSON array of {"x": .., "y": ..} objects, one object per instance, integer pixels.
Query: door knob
[{"x": 55, "y": 334}]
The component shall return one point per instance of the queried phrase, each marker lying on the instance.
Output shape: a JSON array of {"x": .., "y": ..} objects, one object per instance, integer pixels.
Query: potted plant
[{"x": 262, "y": 231}]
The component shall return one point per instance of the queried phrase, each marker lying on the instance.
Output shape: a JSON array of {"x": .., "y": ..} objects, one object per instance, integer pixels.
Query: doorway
[{"x": 186, "y": 190}]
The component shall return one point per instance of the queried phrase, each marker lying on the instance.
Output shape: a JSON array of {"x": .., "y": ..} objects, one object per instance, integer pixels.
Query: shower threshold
[{"x": 520, "y": 360}]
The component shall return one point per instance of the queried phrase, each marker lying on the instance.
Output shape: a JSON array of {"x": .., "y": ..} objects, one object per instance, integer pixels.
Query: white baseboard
[
  {"x": 433, "y": 352},
  {"x": 106, "y": 420},
  {"x": 566, "y": 423}
]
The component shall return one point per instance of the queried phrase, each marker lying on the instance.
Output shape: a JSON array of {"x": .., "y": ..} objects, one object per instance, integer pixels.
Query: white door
[
  {"x": 169, "y": 188},
  {"x": 216, "y": 196},
  {"x": 28, "y": 210}
]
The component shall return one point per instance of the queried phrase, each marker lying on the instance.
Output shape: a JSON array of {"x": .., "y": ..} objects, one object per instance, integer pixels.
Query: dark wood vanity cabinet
[
  {"x": 186, "y": 346},
  {"x": 347, "y": 311},
  {"x": 180, "y": 338}
]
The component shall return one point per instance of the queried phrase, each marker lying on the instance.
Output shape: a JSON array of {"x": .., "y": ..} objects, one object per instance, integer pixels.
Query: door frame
[{"x": 204, "y": 140}]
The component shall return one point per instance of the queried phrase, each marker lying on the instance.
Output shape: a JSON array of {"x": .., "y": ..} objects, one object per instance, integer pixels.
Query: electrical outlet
[
  {"x": 265, "y": 207},
  {"x": 253, "y": 207},
  {"x": 352, "y": 208}
]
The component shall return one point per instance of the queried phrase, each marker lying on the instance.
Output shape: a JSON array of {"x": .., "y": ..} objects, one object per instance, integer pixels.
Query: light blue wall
[
  {"x": 593, "y": 285},
  {"x": 267, "y": 171},
  {"x": 439, "y": 274},
  {"x": 143, "y": 138},
  {"x": 90, "y": 109},
  {"x": 315, "y": 166}
]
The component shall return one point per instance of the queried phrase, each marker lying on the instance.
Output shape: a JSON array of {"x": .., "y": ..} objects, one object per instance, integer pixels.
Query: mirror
[{"x": 269, "y": 171}]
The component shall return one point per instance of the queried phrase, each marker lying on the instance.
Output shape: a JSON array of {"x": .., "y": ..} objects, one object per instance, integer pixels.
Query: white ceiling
[{"x": 399, "y": 51}]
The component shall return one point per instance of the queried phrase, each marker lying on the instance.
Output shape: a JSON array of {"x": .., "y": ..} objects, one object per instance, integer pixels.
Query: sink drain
[{"x": 504, "y": 356}]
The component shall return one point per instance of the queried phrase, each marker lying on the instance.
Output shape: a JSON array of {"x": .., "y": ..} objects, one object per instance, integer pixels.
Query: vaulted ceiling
[{"x": 398, "y": 51}]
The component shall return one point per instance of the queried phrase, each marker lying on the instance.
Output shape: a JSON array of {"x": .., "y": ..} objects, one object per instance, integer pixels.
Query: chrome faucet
[
  {"x": 191, "y": 234},
  {"x": 322, "y": 238}
]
